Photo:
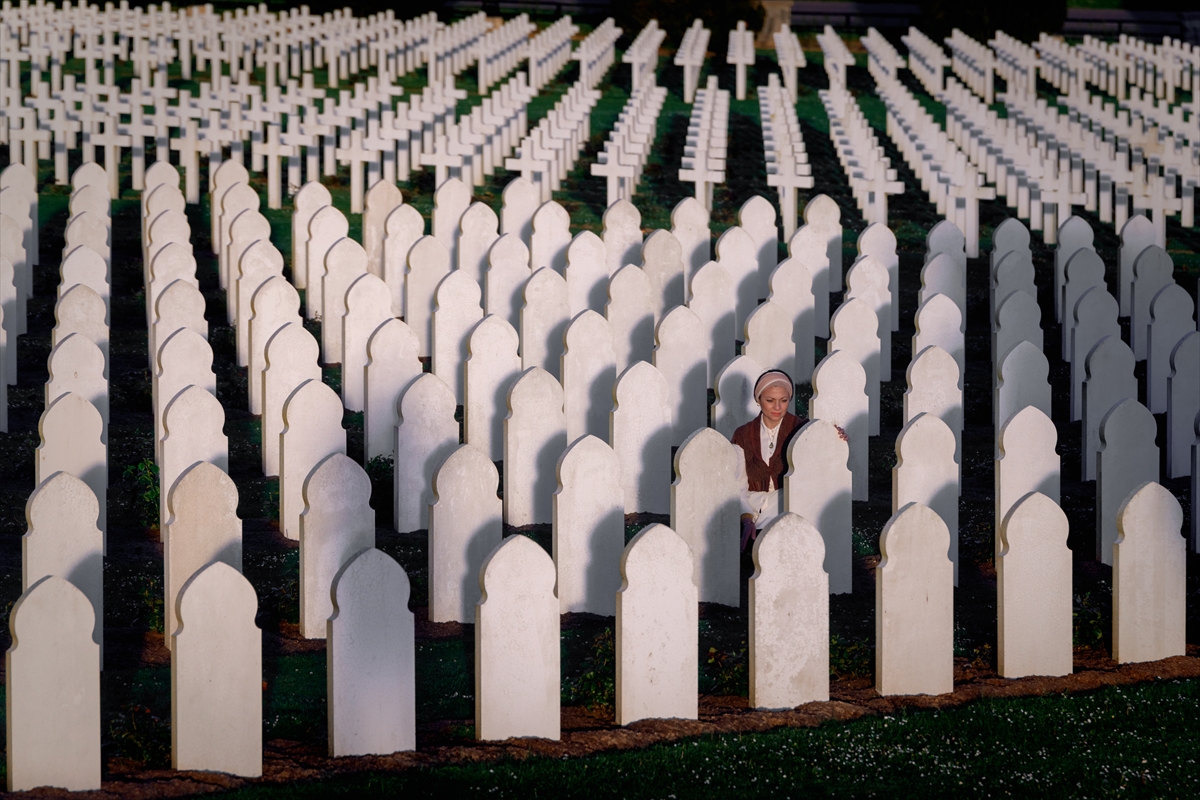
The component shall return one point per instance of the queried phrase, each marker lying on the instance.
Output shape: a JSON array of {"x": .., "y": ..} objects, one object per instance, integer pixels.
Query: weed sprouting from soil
[
  {"x": 144, "y": 475},
  {"x": 595, "y": 688}
]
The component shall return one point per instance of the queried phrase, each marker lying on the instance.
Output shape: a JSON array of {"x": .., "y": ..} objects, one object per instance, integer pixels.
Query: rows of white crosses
[
  {"x": 783, "y": 146},
  {"x": 631, "y": 140},
  {"x": 705, "y": 148}
]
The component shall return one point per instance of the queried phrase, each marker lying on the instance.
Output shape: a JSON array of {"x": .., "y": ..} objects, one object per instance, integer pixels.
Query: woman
[{"x": 764, "y": 441}]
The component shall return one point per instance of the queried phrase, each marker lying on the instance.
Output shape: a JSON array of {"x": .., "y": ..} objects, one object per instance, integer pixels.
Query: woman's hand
[{"x": 842, "y": 433}]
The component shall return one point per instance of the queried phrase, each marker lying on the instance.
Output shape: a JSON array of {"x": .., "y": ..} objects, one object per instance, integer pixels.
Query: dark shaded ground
[{"x": 136, "y": 701}]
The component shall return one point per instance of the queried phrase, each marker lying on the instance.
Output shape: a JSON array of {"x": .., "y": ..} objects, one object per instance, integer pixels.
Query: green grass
[{"x": 1136, "y": 741}]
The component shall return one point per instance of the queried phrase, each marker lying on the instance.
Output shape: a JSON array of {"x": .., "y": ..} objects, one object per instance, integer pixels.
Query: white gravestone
[
  {"x": 689, "y": 225},
  {"x": 458, "y": 308},
  {"x": 312, "y": 431},
  {"x": 404, "y": 227},
  {"x": 492, "y": 367},
  {"x": 1014, "y": 272},
  {"x": 938, "y": 322},
  {"x": 382, "y": 199},
  {"x": 1018, "y": 319},
  {"x": 622, "y": 235},
  {"x": 852, "y": 329},
  {"x": 392, "y": 364},
  {"x": 818, "y": 487},
  {"x": 52, "y": 673},
  {"x": 535, "y": 435},
  {"x": 878, "y": 240},
  {"x": 630, "y": 315},
  {"x": 520, "y": 201},
  {"x": 840, "y": 397},
  {"x": 1022, "y": 381},
  {"x": 1073, "y": 235},
  {"x": 588, "y": 372},
  {"x": 1152, "y": 270},
  {"x": 823, "y": 218},
  {"x": 81, "y": 310},
  {"x": 1149, "y": 577},
  {"x": 1127, "y": 458},
  {"x": 70, "y": 442},
  {"x": 344, "y": 263},
  {"x": 478, "y": 231},
  {"x": 337, "y": 524},
  {"x": 184, "y": 359},
  {"x": 202, "y": 528},
  {"x": 926, "y": 473},
  {"x": 868, "y": 279},
  {"x": 428, "y": 264},
  {"x": 1084, "y": 271},
  {"x": 1095, "y": 316},
  {"x": 179, "y": 306},
  {"x": 737, "y": 254},
  {"x": 943, "y": 275},
  {"x": 368, "y": 307},
  {"x": 290, "y": 359},
  {"x": 757, "y": 217},
  {"x": 517, "y": 658},
  {"x": 193, "y": 431},
  {"x": 327, "y": 226},
  {"x": 450, "y": 202},
  {"x": 62, "y": 539},
  {"x": 1109, "y": 380},
  {"x": 311, "y": 198},
  {"x": 1026, "y": 461},
  {"x": 464, "y": 526},
  {"x": 768, "y": 337},
  {"x": 216, "y": 676},
  {"x": 505, "y": 278},
  {"x": 1033, "y": 587},
  {"x": 426, "y": 434},
  {"x": 933, "y": 388},
  {"x": 1172, "y": 315},
  {"x": 914, "y": 605},
  {"x": 712, "y": 299},
  {"x": 789, "y": 616},
  {"x": 589, "y": 527},
  {"x": 550, "y": 238},
  {"x": 734, "y": 405},
  {"x": 77, "y": 365},
  {"x": 370, "y": 659},
  {"x": 680, "y": 356},
  {"x": 656, "y": 641},
  {"x": 544, "y": 317},
  {"x": 662, "y": 261},
  {"x": 1183, "y": 404},
  {"x": 640, "y": 434},
  {"x": 84, "y": 265},
  {"x": 1136, "y": 235},
  {"x": 705, "y": 511},
  {"x": 586, "y": 273},
  {"x": 791, "y": 287}
]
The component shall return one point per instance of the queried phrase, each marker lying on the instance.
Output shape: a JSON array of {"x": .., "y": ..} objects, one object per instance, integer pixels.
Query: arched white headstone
[
  {"x": 705, "y": 507},
  {"x": 535, "y": 435},
  {"x": 589, "y": 527},
  {"x": 426, "y": 434},
  {"x": 312, "y": 430},
  {"x": 464, "y": 526},
  {"x": 1149, "y": 577},
  {"x": 818, "y": 486}
]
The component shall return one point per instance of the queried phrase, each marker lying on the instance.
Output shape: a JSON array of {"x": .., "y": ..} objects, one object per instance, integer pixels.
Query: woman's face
[{"x": 774, "y": 403}]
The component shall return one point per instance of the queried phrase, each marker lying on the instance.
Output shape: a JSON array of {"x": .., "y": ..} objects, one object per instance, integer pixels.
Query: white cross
[
  {"x": 882, "y": 183},
  {"x": 273, "y": 149},
  {"x": 189, "y": 147},
  {"x": 1159, "y": 204},
  {"x": 353, "y": 153},
  {"x": 441, "y": 160}
]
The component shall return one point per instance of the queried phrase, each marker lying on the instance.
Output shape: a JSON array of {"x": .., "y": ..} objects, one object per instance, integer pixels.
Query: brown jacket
[{"x": 758, "y": 472}]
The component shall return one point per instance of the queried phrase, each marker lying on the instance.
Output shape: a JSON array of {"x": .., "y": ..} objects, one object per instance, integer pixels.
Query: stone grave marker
[
  {"x": 492, "y": 366},
  {"x": 237, "y": 201},
  {"x": 84, "y": 265},
  {"x": 757, "y": 217},
  {"x": 392, "y": 364},
  {"x": 1183, "y": 404},
  {"x": 662, "y": 261},
  {"x": 81, "y": 310},
  {"x": 1172, "y": 316},
  {"x": 230, "y": 173},
  {"x": 713, "y": 301},
  {"x": 70, "y": 430},
  {"x": 1018, "y": 319},
  {"x": 878, "y": 240},
  {"x": 587, "y": 273},
  {"x": 312, "y": 197},
  {"x": 216, "y": 676},
  {"x": 705, "y": 511},
  {"x": 622, "y": 235},
  {"x": 1085, "y": 270},
  {"x": 312, "y": 431},
  {"x": 1013, "y": 273},
  {"x": 368, "y": 306},
  {"x": 589, "y": 527},
  {"x": 77, "y": 365},
  {"x": 93, "y": 231},
  {"x": 259, "y": 263},
  {"x": 1128, "y": 458},
  {"x": 52, "y": 674},
  {"x": 337, "y": 524},
  {"x": 933, "y": 388},
  {"x": 789, "y": 616},
  {"x": 656, "y": 649},
  {"x": 184, "y": 359},
  {"x": 505, "y": 279},
  {"x": 464, "y": 526},
  {"x": 768, "y": 337},
  {"x": 517, "y": 675},
  {"x": 680, "y": 357},
  {"x": 818, "y": 487},
  {"x": 479, "y": 229},
  {"x": 193, "y": 431},
  {"x": 289, "y": 359},
  {"x": 1026, "y": 461},
  {"x": 1136, "y": 235},
  {"x": 520, "y": 203},
  {"x": 382, "y": 199},
  {"x": 791, "y": 287},
  {"x": 823, "y": 218},
  {"x": 173, "y": 262},
  {"x": 853, "y": 328},
  {"x": 734, "y": 404},
  {"x": 402, "y": 229},
  {"x": 274, "y": 304},
  {"x": 550, "y": 237},
  {"x": 428, "y": 263},
  {"x": 641, "y": 437},
  {"x": 62, "y": 539},
  {"x": 426, "y": 433},
  {"x": 327, "y": 226},
  {"x": 1073, "y": 235},
  {"x": 938, "y": 322},
  {"x": 1094, "y": 316},
  {"x": 370, "y": 659},
  {"x": 630, "y": 314},
  {"x": 543, "y": 320},
  {"x": 450, "y": 202},
  {"x": 1149, "y": 577},
  {"x": 8, "y": 307},
  {"x": 1110, "y": 379},
  {"x": 202, "y": 528},
  {"x": 840, "y": 397},
  {"x": 458, "y": 309},
  {"x": 946, "y": 238},
  {"x": 944, "y": 275},
  {"x": 344, "y": 263},
  {"x": 736, "y": 252},
  {"x": 1022, "y": 380},
  {"x": 249, "y": 229},
  {"x": 588, "y": 372},
  {"x": 535, "y": 435},
  {"x": 914, "y": 605},
  {"x": 926, "y": 473},
  {"x": 867, "y": 279},
  {"x": 689, "y": 226}
]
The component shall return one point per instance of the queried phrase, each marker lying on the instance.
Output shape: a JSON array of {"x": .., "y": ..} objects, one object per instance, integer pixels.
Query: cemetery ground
[{"x": 1095, "y": 741}]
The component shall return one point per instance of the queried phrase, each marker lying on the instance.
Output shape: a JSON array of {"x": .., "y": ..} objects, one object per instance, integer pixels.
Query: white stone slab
[
  {"x": 77, "y": 365},
  {"x": 1128, "y": 458},
  {"x": 641, "y": 436},
  {"x": 933, "y": 381},
  {"x": 545, "y": 312},
  {"x": 630, "y": 314},
  {"x": 823, "y": 217},
  {"x": 535, "y": 435},
  {"x": 368, "y": 306},
  {"x": 1172, "y": 316},
  {"x": 344, "y": 263},
  {"x": 403, "y": 227},
  {"x": 1109, "y": 380},
  {"x": 491, "y": 368},
  {"x": 939, "y": 323},
  {"x": 70, "y": 429},
  {"x": 588, "y": 374},
  {"x": 840, "y": 397},
  {"x": 737, "y": 254},
  {"x": 464, "y": 527},
  {"x": 382, "y": 199},
  {"x": 1183, "y": 404},
  {"x": 1022, "y": 381},
  {"x": 312, "y": 431},
  {"x": 589, "y": 527},
  {"x": 1018, "y": 319},
  {"x": 311, "y": 198},
  {"x": 662, "y": 261},
  {"x": 853, "y": 331},
  {"x": 428, "y": 263},
  {"x": 1094, "y": 317},
  {"x": 689, "y": 225},
  {"x": 520, "y": 202},
  {"x": 458, "y": 308},
  {"x": 505, "y": 278},
  {"x": 622, "y": 235},
  {"x": 705, "y": 509},
  {"x": 81, "y": 310},
  {"x": 818, "y": 486},
  {"x": 289, "y": 359},
  {"x": 450, "y": 201},
  {"x": 550, "y": 238},
  {"x": 713, "y": 300},
  {"x": 1136, "y": 235},
  {"x": 867, "y": 279},
  {"x": 926, "y": 473},
  {"x": 479, "y": 228},
  {"x": 878, "y": 240},
  {"x": 327, "y": 226},
  {"x": 680, "y": 356},
  {"x": 734, "y": 404},
  {"x": 768, "y": 337},
  {"x": 193, "y": 431},
  {"x": 1073, "y": 234},
  {"x": 392, "y": 364},
  {"x": 791, "y": 287},
  {"x": 426, "y": 434},
  {"x": 758, "y": 218},
  {"x": 587, "y": 273}
]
